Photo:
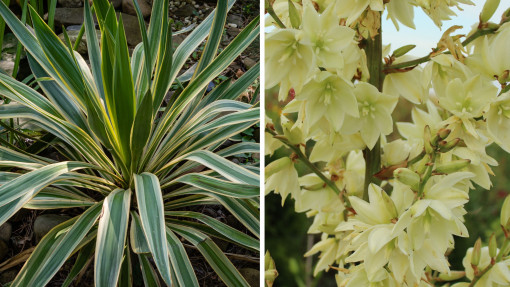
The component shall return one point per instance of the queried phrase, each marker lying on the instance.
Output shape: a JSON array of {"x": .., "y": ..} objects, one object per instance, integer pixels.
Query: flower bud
[
  {"x": 477, "y": 252},
  {"x": 408, "y": 177},
  {"x": 421, "y": 165},
  {"x": 276, "y": 166},
  {"x": 505, "y": 212},
  {"x": 443, "y": 133},
  {"x": 447, "y": 146},
  {"x": 427, "y": 137},
  {"x": 493, "y": 246},
  {"x": 403, "y": 50},
  {"x": 452, "y": 275},
  {"x": 452, "y": 166},
  {"x": 488, "y": 10},
  {"x": 295, "y": 20},
  {"x": 270, "y": 273}
]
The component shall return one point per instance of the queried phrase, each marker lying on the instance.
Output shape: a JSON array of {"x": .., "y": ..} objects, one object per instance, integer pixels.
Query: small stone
[
  {"x": 5, "y": 231},
  {"x": 251, "y": 275},
  {"x": 4, "y": 249},
  {"x": 68, "y": 16},
  {"x": 129, "y": 8},
  {"x": 44, "y": 223},
  {"x": 185, "y": 11},
  {"x": 248, "y": 63},
  {"x": 232, "y": 25},
  {"x": 235, "y": 19},
  {"x": 70, "y": 3},
  {"x": 8, "y": 276}
]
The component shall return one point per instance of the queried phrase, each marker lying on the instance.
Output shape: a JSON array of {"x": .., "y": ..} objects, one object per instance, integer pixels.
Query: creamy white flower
[
  {"x": 282, "y": 168},
  {"x": 328, "y": 95},
  {"x": 497, "y": 276},
  {"x": 288, "y": 61},
  {"x": 327, "y": 38},
  {"x": 375, "y": 110},
  {"x": 352, "y": 9},
  {"x": 498, "y": 121}
]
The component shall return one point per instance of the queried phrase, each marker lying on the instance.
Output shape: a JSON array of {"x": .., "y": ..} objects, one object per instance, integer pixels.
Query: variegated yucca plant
[{"x": 137, "y": 164}]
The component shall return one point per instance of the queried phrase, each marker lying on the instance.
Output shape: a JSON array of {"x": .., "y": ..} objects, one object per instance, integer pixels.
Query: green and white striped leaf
[
  {"x": 137, "y": 235},
  {"x": 111, "y": 238},
  {"x": 180, "y": 261},
  {"x": 82, "y": 262},
  {"x": 150, "y": 277},
  {"x": 55, "y": 248},
  {"x": 220, "y": 227},
  {"x": 223, "y": 166},
  {"x": 150, "y": 206},
  {"x": 213, "y": 254},
  {"x": 218, "y": 186}
]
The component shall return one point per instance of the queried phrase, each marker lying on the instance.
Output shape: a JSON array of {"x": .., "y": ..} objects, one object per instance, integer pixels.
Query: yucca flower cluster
[{"x": 387, "y": 211}]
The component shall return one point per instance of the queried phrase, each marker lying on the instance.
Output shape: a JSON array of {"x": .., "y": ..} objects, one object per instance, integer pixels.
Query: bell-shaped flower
[
  {"x": 329, "y": 147},
  {"x": 468, "y": 99},
  {"x": 328, "y": 95},
  {"x": 326, "y": 37},
  {"x": 282, "y": 177},
  {"x": 498, "y": 121},
  {"x": 440, "y": 10},
  {"x": 281, "y": 9},
  {"x": 495, "y": 51},
  {"x": 375, "y": 110},
  {"x": 352, "y": 9},
  {"x": 414, "y": 131},
  {"x": 497, "y": 276},
  {"x": 412, "y": 85},
  {"x": 288, "y": 61},
  {"x": 401, "y": 11}
]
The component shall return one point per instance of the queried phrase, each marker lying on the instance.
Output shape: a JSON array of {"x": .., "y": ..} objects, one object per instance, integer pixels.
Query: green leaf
[
  {"x": 111, "y": 237},
  {"x": 141, "y": 131},
  {"x": 218, "y": 186},
  {"x": 150, "y": 206},
  {"x": 150, "y": 277},
  {"x": 180, "y": 261},
  {"x": 82, "y": 262},
  {"x": 213, "y": 254},
  {"x": 32, "y": 182},
  {"x": 224, "y": 167},
  {"x": 294, "y": 16},
  {"x": 54, "y": 249},
  {"x": 137, "y": 235},
  {"x": 227, "y": 231}
]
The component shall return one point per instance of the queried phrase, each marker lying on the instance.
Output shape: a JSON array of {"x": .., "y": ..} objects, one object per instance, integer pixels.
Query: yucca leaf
[
  {"x": 223, "y": 166},
  {"x": 59, "y": 57},
  {"x": 93, "y": 50},
  {"x": 180, "y": 261},
  {"x": 218, "y": 186},
  {"x": 57, "y": 96},
  {"x": 54, "y": 249},
  {"x": 150, "y": 206},
  {"x": 83, "y": 260},
  {"x": 229, "y": 54},
  {"x": 141, "y": 130},
  {"x": 239, "y": 86},
  {"x": 150, "y": 277},
  {"x": 244, "y": 212},
  {"x": 213, "y": 254},
  {"x": 32, "y": 182},
  {"x": 227, "y": 231},
  {"x": 53, "y": 198},
  {"x": 111, "y": 238},
  {"x": 137, "y": 235},
  {"x": 126, "y": 271}
]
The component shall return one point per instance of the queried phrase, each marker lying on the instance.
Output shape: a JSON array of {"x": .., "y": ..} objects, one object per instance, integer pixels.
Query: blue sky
[{"x": 427, "y": 34}]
